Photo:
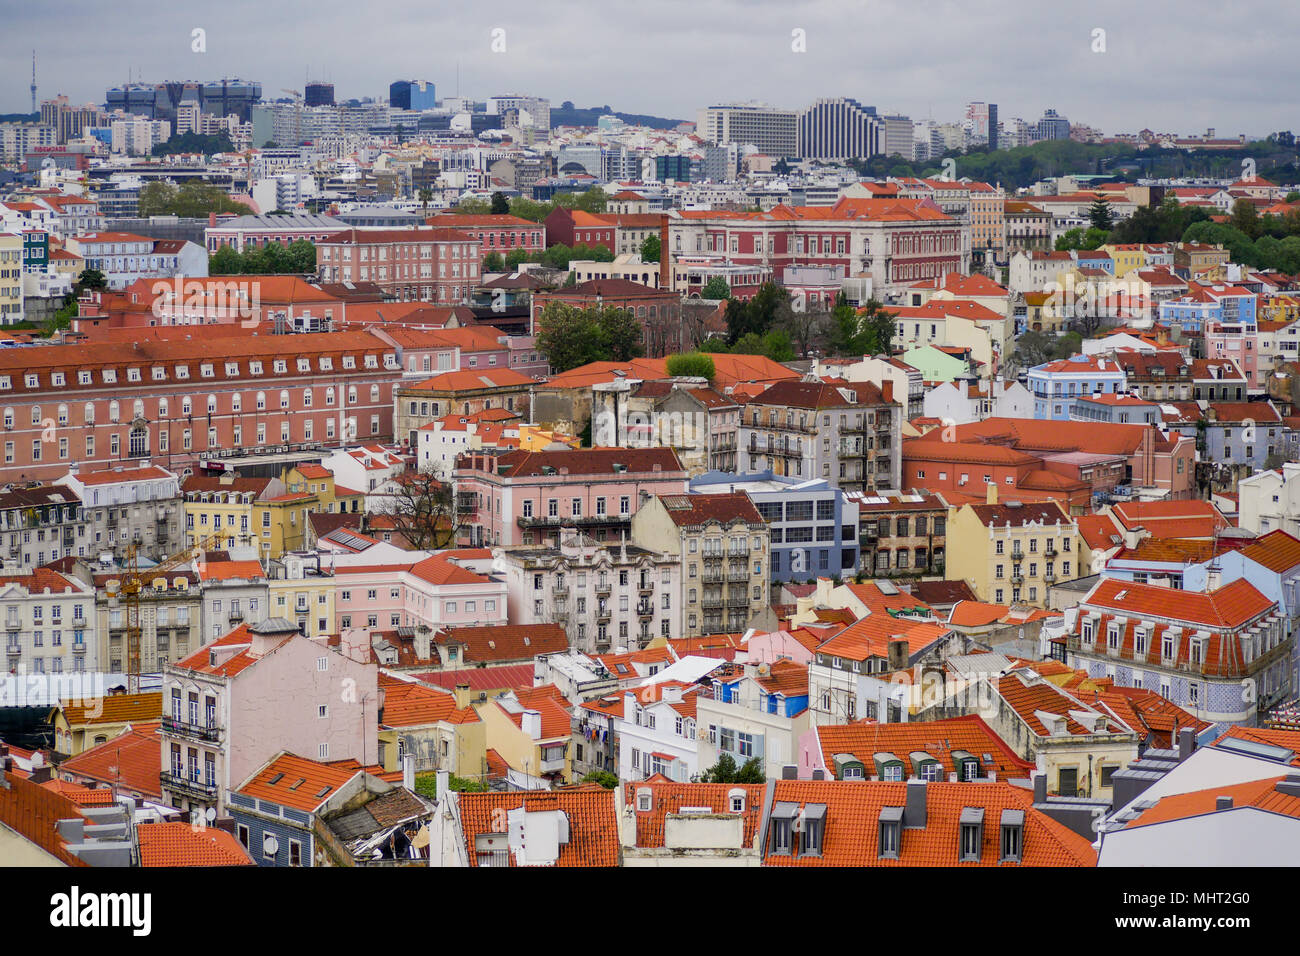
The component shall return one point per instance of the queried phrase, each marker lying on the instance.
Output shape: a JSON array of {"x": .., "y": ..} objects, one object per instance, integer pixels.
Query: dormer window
[
  {"x": 736, "y": 799},
  {"x": 182, "y": 371},
  {"x": 281, "y": 365},
  {"x": 57, "y": 379},
  {"x": 349, "y": 361},
  {"x": 232, "y": 368},
  {"x": 814, "y": 828},
  {"x": 372, "y": 361},
  {"x": 972, "y": 834},
  {"x": 304, "y": 365},
  {"x": 326, "y": 363},
  {"x": 206, "y": 370},
  {"x": 32, "y": 380},
  {"x": 110, "y": 375},
  {"x": 83, "y": 378},
  {"x": 255, "y": 368},
  {"x": 891, "y": 832},
  {"x": 133, "y": 375},
  {"x": 783, "y": 817},
  {"x": 1013, "y": 836},
  {"x": 643, "y": 800},
  {"x": 158, "y": 373}
]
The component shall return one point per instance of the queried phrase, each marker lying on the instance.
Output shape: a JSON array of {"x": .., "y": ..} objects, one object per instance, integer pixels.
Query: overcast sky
[{"x": 1177, "y": 67}]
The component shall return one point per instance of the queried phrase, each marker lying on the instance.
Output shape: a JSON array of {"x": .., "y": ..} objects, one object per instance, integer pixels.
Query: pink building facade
[
  {"x": 425, "y": 265},
  {"x": 526, "y": 497}
]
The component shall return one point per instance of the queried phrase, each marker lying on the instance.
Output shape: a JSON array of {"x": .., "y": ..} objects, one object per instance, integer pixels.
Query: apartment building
[
  {"x": 174, "y": 402},
  {"x": 603, "y": 595},
  {"x": 122, "y": 506},
  {"x": 1012, "y": 552},
  {"x": 722, "y": 546},
  {"x": 426, "y": 265},
  {"x": 48, "y": 627},
  {"x": 848, "y": 434},
  {"x": 524, "y": 497},
  {"x": 41, "y": 525},
  {"x": 687, "y": 415},
  {"x": 259, "y": 690}
]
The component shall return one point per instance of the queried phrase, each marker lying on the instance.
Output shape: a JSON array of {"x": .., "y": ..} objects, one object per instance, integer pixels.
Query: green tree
[
  {"x": 516, "y": 256},
  {"x": 425, "y": 196},
  {"x": 715, "y": 345},
  {"x": 650, "y": 249},
  {"x": 500, "y": 205},
  {"x": 225, "y": 262},
  {"x": 301, "y": 255},
  {"x": 695, "y": 364},
  {"x": 1100, "y": 216},
  {"x": 726, "y": 771},
  {"x": 570, "y": 337},
  {"x": 757, "y": 314},
  {"x": 492, "y": 262},
  {"x": 1245, "y": 218},
  {"x": 621, "y": 335},
  {"x": 716, "y": 288},
  {"x": 603, "y": 777},
  {"x": 1292, "y": 196},
  {"x": 473, "y": 207},
  {"x": 1070, "y": 239},
  {"x": 92, "y": 279}
]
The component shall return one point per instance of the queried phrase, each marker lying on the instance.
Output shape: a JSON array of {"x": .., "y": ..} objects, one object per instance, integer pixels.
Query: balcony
[
  {"x": 1050, "y": 578},
  {"x": 604, "y": 587},
  {"x": 711, "y": 600},
  {"x": 603, "y": 614},
  {"x": 1051, "y": 551},
  {"x": 180, "y": 728},
  {"x": 1017, "y": 553},
  {"x": 235, "y": 616},
  {"x": 738, "y": 600},
  {"x": 1017, "y": 579},
  {"x": 738, "y": 574},
  {"x": 645, "y": 609},
  {"x": 711, "y": 557},
  {"x": 14, "y": 650},
  {"x": 645, "y": 587},
  {"x": 553, "y": 764},
  {"x": 575, "y": 521},
  {"x": 183, "y": 784},
  {"x": 713, "y": 575},
  {"x": 560, "y": 591}
]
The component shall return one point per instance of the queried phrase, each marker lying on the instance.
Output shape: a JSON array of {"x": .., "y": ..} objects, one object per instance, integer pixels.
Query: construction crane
[{"x": 132, "y": 585}]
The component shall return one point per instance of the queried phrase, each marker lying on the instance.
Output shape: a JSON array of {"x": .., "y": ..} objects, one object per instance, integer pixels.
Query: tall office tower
[
  {"x": 319, "y": 94},
  {"x": 898, "y": 136},
  {"x": 839, "y": 128},
  {"x": 993, "y": 126},
  {"x": 412, "y": 95},
  {"x": 773, "y": 131}
]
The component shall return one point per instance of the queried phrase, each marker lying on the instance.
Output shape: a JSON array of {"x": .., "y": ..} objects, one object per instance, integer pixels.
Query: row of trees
[
  {"x": 570, "y": 337},
  {"x": 191, "y": 200},
  {"x": 195, "y": 143},
  {"x": 773, "y": 323},
  {"x": 593, "y": 200},
  {"x": 274, "y": 258},
  {"x": 557, "y": 256}
]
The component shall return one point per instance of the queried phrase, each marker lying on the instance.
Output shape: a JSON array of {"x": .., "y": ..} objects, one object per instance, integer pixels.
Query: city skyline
[{"x": 1092, "y": 78}]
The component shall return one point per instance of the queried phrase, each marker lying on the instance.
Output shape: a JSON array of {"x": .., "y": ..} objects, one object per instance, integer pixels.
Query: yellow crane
[{"x": 131, "y": 586}]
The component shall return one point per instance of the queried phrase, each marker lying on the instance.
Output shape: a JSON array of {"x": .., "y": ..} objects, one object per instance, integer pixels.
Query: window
[
  {"x": 891, "y": 830},
  {"x": 972, "y": 827},
  {"x": 1013, "y": 824}
]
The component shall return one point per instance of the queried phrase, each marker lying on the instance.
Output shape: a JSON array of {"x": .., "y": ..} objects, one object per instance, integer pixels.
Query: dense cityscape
[{"x": 462, "y": 480}]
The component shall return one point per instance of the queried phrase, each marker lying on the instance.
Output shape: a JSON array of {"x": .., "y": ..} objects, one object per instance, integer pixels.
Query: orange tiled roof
[
  {"x": 668, "y": 797},
  {"x": 935, "y": 738},
  {"x": 33, "y": 812},
  {"x": 1230, "y": 606},
  {"x": 302, "y": 784},
  {"x": 81, "y": 796},
  {"x": 852, "y": 832},
  {"x": 1290, "y": 739},
  {"x": 115, "y": 709},
  {"x": 593, "y": 821},
  {"x": 1261, "y": 794},
  {"x": 179, "y": 844},
  {"x": 132, "y": 760}
]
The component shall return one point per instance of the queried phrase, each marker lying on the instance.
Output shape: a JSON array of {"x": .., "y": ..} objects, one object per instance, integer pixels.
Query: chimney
[
  {"x": 1040, "y": 787},
  {"x": 898, "y": 649},
  {"x": 1223, "y": 802},
  {"x": 991, "y": 493},
  {"x": 1186, "y": 743},
  {"x": 408, "y": 772},
  {"x": 665, "y": 273},
  {"x": 789, "y": 772},
  {"x": 531, "y": 723},
  {"x": 887, "y": 390},
  {"x": 212, "y": 220},
  {"x": 914, "y": 809},
  {"x": 462, "y": 694},
  {"x": 443, "y": 781}
]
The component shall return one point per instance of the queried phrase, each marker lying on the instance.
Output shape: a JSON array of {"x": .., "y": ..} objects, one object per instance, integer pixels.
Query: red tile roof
[
  {"x": 852, "y": 831},
  {"x": 593, "y": 821},
  {"x": 180, "y": 844},
  {"x": 34, "y": 812},
  {"x": 667, "y": 797},
  {"x": 483, "y": 679},
  {"x": 131, "y": 760},
  {"x": 1261, "y": 794},
  {"x": 935, "y": 738},
  {"x": 301, "y": 783},
  {"x": 505, "y": 642},
  {"x": 1230, "y": 606}
]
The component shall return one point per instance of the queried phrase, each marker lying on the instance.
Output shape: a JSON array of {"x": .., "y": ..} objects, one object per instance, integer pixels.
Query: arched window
[
  {"x": 63, "y": 414},
  {"x": 261, "y": 401},
  {"x": 114, "y": 412},
  {"x": 187, "y": 407},
  {"x": 329, "y": 395},
  {"x": 9, "y": 418},
  {"x": 284, "y": 399},
  {"x": 139, "y": 441},
  {"x": 162, "y": 408},
  {"x": 212, "y": 404},
  {"x": 138, "y": 408},
  {"x": 36, "y": 414},
  {"x": 89, "y": 413},
  {"x": 236, "y": 402}
]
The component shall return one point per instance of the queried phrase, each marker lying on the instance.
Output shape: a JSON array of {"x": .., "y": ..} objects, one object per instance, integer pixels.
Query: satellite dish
[
  {"x": 270, "y": 845},
  {"x": 210, "y": 814}
]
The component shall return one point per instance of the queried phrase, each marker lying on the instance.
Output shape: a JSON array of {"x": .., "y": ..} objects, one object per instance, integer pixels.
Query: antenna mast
[{"x": 33, "y": 81}]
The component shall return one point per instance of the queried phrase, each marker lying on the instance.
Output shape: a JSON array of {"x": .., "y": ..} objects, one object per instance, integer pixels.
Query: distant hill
[
  {"x": 19, "y": 117},
  {"x": 569, "y": 115}
]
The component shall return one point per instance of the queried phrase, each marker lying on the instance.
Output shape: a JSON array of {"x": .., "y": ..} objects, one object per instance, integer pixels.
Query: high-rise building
[
  {"x": 773, "y": 131},
  {"x": 319, "y": 94},
  {"x": 721, "y": 163},
  {"x": 1052, "y": 126},
  {"x": 536, "y": 109},
  {"x": 161, "y": 100},
  {"x": 839, "y": 128},
  {"x": 412, "y": 95},
  {"x": 896, "y": 140},
  {"x": 993, "y": 126},
  {"x": 673, "y": 168},
  {"x": 69, "y": 121}
]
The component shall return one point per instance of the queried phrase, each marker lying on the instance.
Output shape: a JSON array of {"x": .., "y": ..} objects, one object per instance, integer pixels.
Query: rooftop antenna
[{"x": 33, "y": 81}]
